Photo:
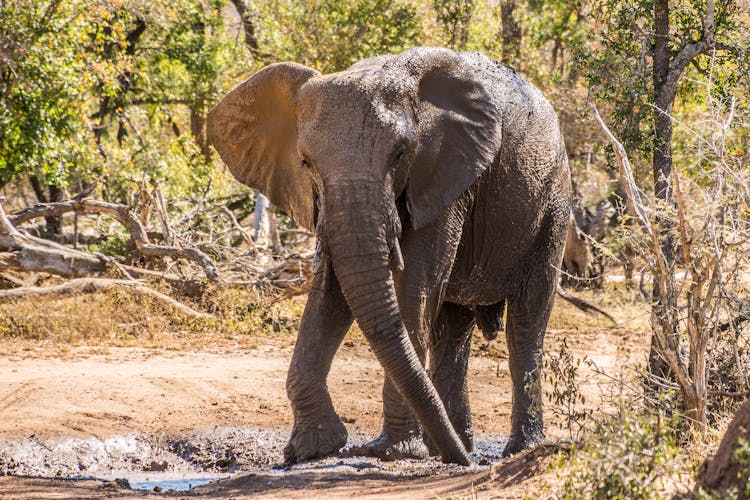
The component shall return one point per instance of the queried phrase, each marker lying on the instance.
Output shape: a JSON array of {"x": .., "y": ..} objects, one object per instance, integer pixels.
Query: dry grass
[{"x": 244, "y": 318}]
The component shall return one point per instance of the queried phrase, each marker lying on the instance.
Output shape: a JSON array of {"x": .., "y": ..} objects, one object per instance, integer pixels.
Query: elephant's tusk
[
  {"x": 397, "y": 256},
  {"x": 319, "y": 233},
  {"x": 317, "y": 256}
]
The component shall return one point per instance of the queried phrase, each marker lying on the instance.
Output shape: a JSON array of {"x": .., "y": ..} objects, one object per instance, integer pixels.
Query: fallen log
[{"x": 122, "y": 214}]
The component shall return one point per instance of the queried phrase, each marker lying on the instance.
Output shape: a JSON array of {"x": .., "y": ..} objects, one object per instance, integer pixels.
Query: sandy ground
[{"x": 152, "y": 416}]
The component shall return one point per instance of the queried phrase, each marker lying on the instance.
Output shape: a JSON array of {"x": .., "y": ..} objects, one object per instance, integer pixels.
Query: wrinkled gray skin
[{"x": 439, "y": 188}]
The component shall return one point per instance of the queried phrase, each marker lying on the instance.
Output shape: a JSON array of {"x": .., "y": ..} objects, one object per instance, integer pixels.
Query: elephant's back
[{"x": 521, "y": 204}]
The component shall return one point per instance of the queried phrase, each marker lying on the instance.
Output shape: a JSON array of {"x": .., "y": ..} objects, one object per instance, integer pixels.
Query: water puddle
[{"x": 174, "y": 482}]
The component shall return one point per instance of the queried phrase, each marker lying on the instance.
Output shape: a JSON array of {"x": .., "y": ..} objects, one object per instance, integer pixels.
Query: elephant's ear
[
  {"x": 458, "y": 126},
  {"x": 254, "y": 129}
]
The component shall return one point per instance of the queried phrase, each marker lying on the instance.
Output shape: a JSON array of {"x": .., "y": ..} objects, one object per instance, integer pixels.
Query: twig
[
  {"x": 161, "y": 212},
  {"x": 12, "y": 279},
  {"x": 730, "y": 395},
  {"x": 245, "y": 235}
]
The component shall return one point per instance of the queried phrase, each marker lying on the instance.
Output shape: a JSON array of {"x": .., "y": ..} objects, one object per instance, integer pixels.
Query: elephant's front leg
[
  {"x": 318, "y": 430},
  {"x": 401, "y": 436}
]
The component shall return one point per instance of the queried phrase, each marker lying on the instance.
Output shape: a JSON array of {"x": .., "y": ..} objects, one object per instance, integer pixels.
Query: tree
[
  {"x": 331, "y": 35},
  {"x": 647, "y": 48},
  {"x": 454, "y": 17},
  {"x": 510, "y": 33},
  {"x": 42, "y": 82}
]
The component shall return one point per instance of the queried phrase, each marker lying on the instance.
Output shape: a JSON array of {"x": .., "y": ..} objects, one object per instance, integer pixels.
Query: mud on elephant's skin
[{"x": 438, "y": 185}]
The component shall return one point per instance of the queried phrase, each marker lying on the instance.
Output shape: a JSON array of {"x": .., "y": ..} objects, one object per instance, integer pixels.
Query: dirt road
[{"x": 169, "y": 419}]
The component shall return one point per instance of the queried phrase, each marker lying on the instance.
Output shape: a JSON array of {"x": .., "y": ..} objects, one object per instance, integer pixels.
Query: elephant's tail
[{"x": 582, "y": 304}]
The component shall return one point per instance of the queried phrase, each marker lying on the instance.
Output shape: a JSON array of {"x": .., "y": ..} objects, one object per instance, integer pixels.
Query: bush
[{"x": 629, "y": 456}]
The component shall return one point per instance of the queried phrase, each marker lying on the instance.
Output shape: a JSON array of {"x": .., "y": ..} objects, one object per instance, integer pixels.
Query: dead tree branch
[
  {"x": 24, "y": 253},
  {"x": 124, "y": 216},
  {"x": 632, "y": 195}
]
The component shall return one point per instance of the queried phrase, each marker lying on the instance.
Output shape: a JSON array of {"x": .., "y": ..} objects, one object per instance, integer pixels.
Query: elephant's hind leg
[
  {"x": 318, "y": 430},
  {"x": 448, "y": 364},
  {"x": 528, "y": 314}
]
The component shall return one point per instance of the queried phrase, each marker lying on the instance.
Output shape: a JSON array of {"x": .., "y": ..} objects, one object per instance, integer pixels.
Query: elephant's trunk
[{"x": 361, "y": 255}]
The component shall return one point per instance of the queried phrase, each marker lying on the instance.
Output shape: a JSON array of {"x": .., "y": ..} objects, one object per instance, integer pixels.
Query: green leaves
[
  {"x": 454, "y": 17},
  {"x": 86, "y": 87},
  {"x": 40, "y": 90},
  {"x": 331, "y": 35}
]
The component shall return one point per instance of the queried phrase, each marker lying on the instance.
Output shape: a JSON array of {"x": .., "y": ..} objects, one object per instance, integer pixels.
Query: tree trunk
[
  {"x": 511, "y": 34},
  {"x": 48, "y": 194},
  {"x": 198, "y": 129},
  {"x": 664, "y": 96},
  {"x": 248, "y": 27}
]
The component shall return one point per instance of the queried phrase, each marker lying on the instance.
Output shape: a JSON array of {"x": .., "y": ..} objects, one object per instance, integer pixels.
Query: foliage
[
  {"x": 629, "y": 456},
  {"x": 561, "y": 373},
  {"x": 331, "y": 35},
  {"x": 742, "y": 455},
  {"x": 98, "y": 91},
  {"x": 42, "y": 84},
  {"x": 703, "y": 301},
  {"x": 454, "y": 17},
  {"x": 617, "y": 61}
]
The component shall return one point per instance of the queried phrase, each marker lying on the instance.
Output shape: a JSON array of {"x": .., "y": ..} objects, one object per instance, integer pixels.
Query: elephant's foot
[
  {"x": 518, "y": 443},
  {"x": 315, "y": 439},
  {"x": 389, "y": 448}
]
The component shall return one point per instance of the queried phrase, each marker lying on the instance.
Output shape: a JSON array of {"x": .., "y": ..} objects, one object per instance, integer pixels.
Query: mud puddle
[
  {"x": 198, "y": 459},
  {"x": 169, "y": 481}
]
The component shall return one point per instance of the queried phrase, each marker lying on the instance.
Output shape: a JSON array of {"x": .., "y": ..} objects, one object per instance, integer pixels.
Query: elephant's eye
[
  {"x": 305, "y": 163},
  {"x": 400, "y": 153}
]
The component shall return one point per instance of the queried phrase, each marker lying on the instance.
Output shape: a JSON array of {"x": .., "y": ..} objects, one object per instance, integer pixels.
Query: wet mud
[{"x": 189, "y": 460}]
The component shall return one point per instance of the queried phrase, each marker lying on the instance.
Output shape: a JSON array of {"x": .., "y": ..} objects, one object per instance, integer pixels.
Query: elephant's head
[{"x": 392, "y": 140}]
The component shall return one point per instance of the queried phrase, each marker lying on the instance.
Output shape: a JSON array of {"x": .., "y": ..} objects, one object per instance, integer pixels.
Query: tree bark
[
  {"x": 723, "y": 471},
  {"x": 248, "y": 28},
  {"x": 124, "y": 216},
  {"x": 664, "y": 95},
  {"x": 511, "y": 34},
  {"x": 198, "y": 129},
  {"x": 668, "y": 67},
  {"x": 45, "y": 194}
]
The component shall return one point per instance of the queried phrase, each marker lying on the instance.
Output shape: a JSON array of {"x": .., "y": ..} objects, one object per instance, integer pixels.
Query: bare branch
[{"x": 634, "y": 202}]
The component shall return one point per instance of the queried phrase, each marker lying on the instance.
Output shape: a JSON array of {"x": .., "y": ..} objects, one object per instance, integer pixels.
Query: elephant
[{"x": 438, "y": 186}]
